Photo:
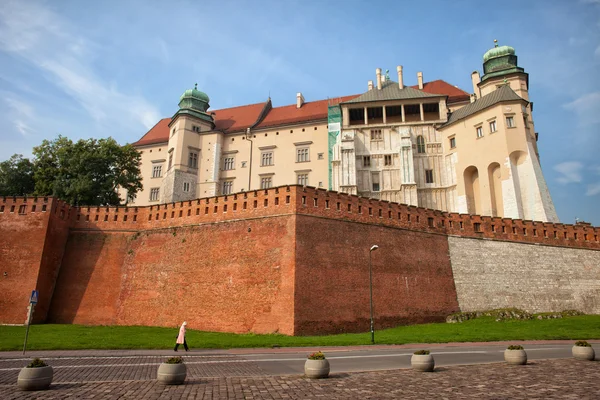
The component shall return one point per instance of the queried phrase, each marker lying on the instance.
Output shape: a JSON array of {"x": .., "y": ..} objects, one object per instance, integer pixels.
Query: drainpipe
[{"x": 250, "y": 166}]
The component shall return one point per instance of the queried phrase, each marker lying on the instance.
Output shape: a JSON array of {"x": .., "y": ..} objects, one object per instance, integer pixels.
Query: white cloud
[
  {"x": 65, "y": 57},
  {"x": 586, "y": 107},
  {"x": 570, "y": 172},
  {"x": 593, "y": 189},
  {"x": 19, "y": 112}
]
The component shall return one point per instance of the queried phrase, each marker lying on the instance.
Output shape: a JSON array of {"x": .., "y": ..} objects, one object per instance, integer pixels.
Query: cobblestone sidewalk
[{"x": 547, "y": 379}]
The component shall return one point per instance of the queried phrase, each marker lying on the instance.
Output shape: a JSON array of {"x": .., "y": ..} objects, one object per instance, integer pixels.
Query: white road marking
[{"x": 237, "y": 360}]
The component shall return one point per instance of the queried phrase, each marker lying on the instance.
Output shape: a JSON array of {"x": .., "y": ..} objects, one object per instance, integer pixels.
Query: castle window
[
  {"x": 428, "y": 176},
  {"x": 266, "y": 182},
  {"x": 302, "y": 154},
  {"x": 227, "y": 187},
  {"x": 493, "y": 126},
  {"x": 154, "y": 194},
  {"x": 186, "y": 186},
  {"x": 170, "y": 159},
  {"x": 420, "y": 144},
  {"x": 157, "y": 171},
  {"x": 228, "y": 163},
  {"x": 477, "y": 226},
  {"x": 376, "y": 134},
  {"x": 452, "y": 142},
  {"x": 193, "y": 160},
  {"x": 510, "y": 122},
  {"x": 266, "y": 158},
  {"x": 22, "y": 209},
  {"x": 479, "y": 131},
  {"x": 302, "y": 179},
  {"x": 375, "y": 181},
  {"x": 388, "y": 159},
  {"x": 320, "y": 156},
  {"x": 366, "y": 161}
]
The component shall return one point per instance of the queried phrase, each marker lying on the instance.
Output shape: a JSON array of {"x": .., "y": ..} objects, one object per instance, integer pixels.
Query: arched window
[{"x": 420, "y": 145}]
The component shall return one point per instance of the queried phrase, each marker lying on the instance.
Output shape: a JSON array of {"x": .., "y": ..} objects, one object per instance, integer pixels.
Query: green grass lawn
[{"x": 71, "y": 337}]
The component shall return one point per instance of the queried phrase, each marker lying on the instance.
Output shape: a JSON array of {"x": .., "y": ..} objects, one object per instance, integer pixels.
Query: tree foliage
[
  {"x": 16, "y": 176},
  {"x": 86, "y": 172}
]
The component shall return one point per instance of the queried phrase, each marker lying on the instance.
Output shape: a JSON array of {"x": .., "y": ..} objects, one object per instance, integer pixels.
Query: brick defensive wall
[{"x": 290, "y": 259}]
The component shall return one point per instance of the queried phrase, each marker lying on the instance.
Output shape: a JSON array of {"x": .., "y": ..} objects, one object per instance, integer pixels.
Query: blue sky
[{"x": 114, "y": 68}]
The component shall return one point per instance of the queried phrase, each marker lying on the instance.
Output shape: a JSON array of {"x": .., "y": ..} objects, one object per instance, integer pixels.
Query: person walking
[{"x": 181, "y": 338}]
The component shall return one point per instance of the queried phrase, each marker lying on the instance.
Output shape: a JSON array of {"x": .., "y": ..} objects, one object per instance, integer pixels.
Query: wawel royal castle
[{"x": 429, "y": 145}]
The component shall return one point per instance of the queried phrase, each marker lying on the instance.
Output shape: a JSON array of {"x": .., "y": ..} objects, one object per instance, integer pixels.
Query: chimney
[
  {"x": 299, "y": 100},
  {"x": 378, "y": 73},
  {"x": 473, "y": 97},
  {"x": 400, "y": 79},
  {"x": 475, "y": 79},
  {"x": 420, "y": 79},
  {"x": 370, "y": 85}
]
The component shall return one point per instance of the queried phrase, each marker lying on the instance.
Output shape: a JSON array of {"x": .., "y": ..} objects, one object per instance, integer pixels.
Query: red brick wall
[
  {"x": 53, "y": 250},
  {"x": 89, "y": 283},
  {"x": 234, "y": 276},
  {"x": 412, "y": 276},
  {"x": 22, "y": 238},
  {"x": 239, "y": 263}
]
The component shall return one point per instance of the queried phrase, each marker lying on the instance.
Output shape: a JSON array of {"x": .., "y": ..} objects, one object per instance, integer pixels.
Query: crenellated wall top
[{"x": 303, "y": 200}]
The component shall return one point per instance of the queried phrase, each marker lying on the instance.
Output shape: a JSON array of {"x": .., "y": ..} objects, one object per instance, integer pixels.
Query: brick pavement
[{"x": 548, "y": 379}]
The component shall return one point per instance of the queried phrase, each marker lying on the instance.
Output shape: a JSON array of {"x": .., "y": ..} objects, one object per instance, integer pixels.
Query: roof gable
[
  {"x": 439, "y": 86},
  {"x": 390, "y": 90},
  {"x": 503, "y": 93}
]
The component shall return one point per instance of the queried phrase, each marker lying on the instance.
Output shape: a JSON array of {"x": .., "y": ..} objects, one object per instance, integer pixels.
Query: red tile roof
[
  {"x": 310, "y": 111},
  {"x": 227, "y": 120},
  {"x": 158, "y": 134},
  {"x": 442, "y": 87},
  {"x": 237, "y": 119}
]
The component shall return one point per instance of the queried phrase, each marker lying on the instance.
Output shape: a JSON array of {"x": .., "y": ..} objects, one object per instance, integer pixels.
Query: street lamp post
[{"x": 374, "y": 247}]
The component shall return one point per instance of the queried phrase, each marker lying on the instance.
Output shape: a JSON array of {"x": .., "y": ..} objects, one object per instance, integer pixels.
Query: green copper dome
[
  {"x": 498, "y": 52},
  {"x": 499, "y": 61},
  {"x": 195, "y": 99}
]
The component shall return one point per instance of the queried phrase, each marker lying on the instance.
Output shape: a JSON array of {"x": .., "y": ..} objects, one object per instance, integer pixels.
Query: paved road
[
  {"x": 393, "y": 358},
  {"x": 276, "y": 374}
]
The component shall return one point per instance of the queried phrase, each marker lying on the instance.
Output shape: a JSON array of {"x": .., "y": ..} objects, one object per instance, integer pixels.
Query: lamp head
[{"x": 374, "y": 247}]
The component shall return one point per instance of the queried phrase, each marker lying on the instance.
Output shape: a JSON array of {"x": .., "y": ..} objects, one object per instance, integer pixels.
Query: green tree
[
  {"x": 16, "y": 176},
  {"x": 86, "y": 172}
]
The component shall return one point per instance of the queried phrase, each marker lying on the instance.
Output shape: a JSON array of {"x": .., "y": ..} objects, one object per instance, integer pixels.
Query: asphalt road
[{"x": 383, "y": 359}]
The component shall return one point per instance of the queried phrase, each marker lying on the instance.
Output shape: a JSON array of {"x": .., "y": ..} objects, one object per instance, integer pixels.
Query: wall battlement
[
  {"x": 297, "y": 199},
  {"x": 289, "y": 259}
]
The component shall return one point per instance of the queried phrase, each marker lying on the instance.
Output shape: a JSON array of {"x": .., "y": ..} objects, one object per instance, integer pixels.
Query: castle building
[{"x": 431, "y": 145}]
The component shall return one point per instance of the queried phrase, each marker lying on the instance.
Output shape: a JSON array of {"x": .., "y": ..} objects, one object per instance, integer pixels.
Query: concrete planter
[
  {"x": 171, "y": 374},
  {"x": 38, "y": 378},
  {"x": 316, "y": 369},
  {"x": 584, "y": 353},
  {"x": 422, "y": 362},
  {"x": 515, "y": 357}
]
